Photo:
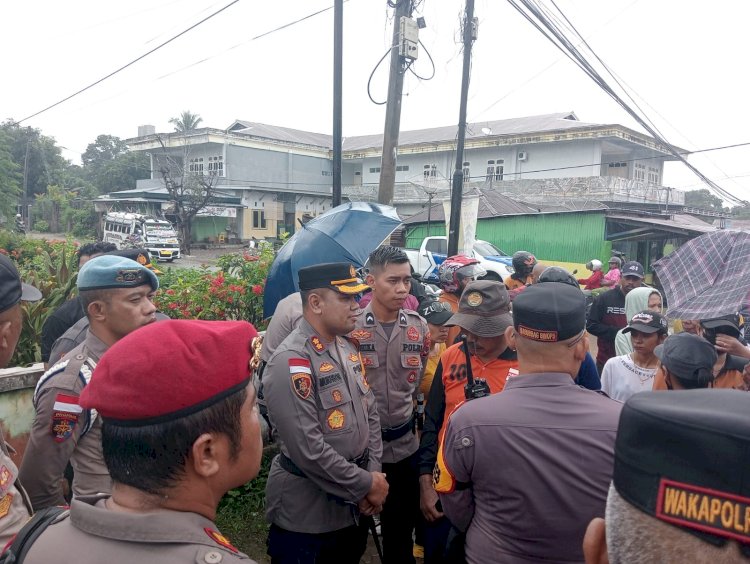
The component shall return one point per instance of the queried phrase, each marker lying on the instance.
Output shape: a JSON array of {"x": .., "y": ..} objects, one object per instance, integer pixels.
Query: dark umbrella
[
  {"x": 349, "y": 232},
  {"x": 708, "y": 276}
]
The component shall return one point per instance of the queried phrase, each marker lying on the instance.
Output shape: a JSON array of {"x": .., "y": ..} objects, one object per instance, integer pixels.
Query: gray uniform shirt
[
  {"x": 15, "y": 507},
  {"x": 285, "y": 319},
  {"x": 538, "y": 458},
  {"x": 325, "y": 415},
  {"x": 63, "y": 432},
  {"x": 93, "y": 534},
  {"x": 394, "y": 366}
]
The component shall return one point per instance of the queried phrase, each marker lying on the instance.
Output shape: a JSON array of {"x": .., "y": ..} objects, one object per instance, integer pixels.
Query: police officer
[
  {"x": 116, "y": 293},
  {"x": 525, "y": 471},
  {"x": 179, "y": 430},
  {"x": 394, "y": 343},
  {"x": 327, "y": 475},
  {"x": 681, "y": 485},
  {"x": 15, "y": 506}
]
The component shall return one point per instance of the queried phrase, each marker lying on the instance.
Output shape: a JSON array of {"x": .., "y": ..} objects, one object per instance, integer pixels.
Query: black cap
[
  {"x": 558, "y": 274},
  {"x": 683, "y": 457},
  {"x": 687, "y": 356},
  {"x": 549, "y": 312},
  {"x": 339, "y": 276},
  {"x": 733, "y": 322},
  {"x": 632, "y": 268},
  {"x": 12, "y": 290},
  {"x": 435, "y": 312},
  {"x": 647, "y": 321}
]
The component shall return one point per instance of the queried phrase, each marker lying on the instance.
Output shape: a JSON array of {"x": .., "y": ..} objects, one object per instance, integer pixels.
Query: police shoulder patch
[
  {"x": 5, "y": 504},
  {"x": 220, "y": 539},
  {"x": 299, "y": 369}
]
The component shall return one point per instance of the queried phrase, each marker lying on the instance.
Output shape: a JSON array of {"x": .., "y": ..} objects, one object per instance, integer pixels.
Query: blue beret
[{"x": 108, "y": 271}]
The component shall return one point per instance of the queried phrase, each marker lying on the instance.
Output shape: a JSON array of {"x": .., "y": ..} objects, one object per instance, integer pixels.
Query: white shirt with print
[{"x": 621, "y": 378}]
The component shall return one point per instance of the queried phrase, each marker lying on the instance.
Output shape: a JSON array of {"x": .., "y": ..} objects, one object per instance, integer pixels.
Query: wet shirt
[
  {"x": 64, "y": 432},
  {"x": 321, "y": 405},
  {"x": 394, "y": 364},
  {"x": 525, "y": 471},
  {"x": 93, "y": 534}
]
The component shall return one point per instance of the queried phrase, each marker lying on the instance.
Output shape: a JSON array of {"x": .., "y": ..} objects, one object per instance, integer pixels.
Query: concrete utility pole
[
  {"x": 404, "y": 8},
  {"x": 338, "y": 33},
  {"x": 458, "y": 174}
]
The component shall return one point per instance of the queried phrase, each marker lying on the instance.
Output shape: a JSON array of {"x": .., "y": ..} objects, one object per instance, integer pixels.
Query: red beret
[{"x": 171, "y": 369}]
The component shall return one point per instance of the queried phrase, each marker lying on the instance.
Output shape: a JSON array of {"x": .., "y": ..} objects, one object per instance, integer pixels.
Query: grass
[{"x": 241, "y": 515}]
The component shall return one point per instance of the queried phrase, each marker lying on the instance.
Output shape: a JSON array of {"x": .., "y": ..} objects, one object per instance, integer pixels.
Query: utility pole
[
  {"x": 25, "y": 200},
  {"x": 338, "y": 33},
  {"x": 458, "y": 174},
  {"x": 404, "y": 8}
]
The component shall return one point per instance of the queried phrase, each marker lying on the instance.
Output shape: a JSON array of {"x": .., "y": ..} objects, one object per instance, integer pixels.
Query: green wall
[
  {"x": 204, "y": 227},
  {"x": 571, "y": 237}
]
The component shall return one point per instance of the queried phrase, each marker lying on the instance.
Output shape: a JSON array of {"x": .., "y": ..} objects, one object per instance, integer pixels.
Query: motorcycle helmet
[
  {"x": 616, "y": 261},
  {"x": 455, "y": 268},
  {"x": 594, "y": 265},
  {"x": 523, "y": 264}
]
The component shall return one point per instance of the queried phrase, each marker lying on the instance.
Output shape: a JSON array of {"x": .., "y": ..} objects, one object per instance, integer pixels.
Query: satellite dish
[{"x": 487, "y": 130}]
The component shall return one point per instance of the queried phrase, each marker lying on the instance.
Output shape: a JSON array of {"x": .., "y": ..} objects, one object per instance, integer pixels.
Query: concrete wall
[{"x": 16, "y": 407}]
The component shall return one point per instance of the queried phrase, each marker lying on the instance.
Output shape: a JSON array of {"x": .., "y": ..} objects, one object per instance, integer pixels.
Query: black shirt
[{"x": 62, "y": 319}]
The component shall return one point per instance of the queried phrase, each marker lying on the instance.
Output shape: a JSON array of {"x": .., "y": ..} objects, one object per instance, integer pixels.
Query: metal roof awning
[{"x": 621, "y": 227}]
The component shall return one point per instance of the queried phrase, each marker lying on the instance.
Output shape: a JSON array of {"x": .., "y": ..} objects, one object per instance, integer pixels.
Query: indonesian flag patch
[
  {"x": 300, "y": 371},
  {"x": 65, "y": 414}
]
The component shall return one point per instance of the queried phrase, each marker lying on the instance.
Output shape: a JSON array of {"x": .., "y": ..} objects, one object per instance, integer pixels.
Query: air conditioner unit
[{"x": 522, "y": 155}]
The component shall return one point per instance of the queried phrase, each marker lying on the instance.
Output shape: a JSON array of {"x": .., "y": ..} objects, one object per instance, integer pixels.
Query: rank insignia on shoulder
[
  {"x": 336, "y": 419},
  {"x": 317, "y": 343},
  {"x": 361, "y": 334},
  {"x": 5, "y": 477},
  {"x": 336, "y": 395},
  {"x": 412, "y": 333},
  {"x": 326, "y": 367},
  {"x": 5, "y": 504},
  {"x": 369, "y": 318},
  {"x": 402, "y": 318},
  {"x": 299, "y": 368},
  {"x": 220, "y": 539}
]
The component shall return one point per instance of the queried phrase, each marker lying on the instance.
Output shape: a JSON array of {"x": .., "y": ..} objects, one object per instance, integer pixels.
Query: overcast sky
[{"x": 684, "y": 60}]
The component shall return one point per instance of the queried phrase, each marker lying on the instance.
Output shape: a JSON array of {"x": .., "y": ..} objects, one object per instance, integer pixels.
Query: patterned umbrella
[
  {"x": 708, "y": 276},
  {"x": 349, "y": 232}
]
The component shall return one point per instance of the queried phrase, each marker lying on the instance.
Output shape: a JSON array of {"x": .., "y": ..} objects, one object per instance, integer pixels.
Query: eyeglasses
[{"x": 436, "y": 307}]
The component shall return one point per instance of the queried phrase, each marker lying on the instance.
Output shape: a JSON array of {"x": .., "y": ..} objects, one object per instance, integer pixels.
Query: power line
[{"x": 130, "y": 63}]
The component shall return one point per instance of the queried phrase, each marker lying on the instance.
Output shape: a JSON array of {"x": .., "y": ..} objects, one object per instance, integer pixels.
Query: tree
[
  {"x": 110, "y": 166},
  {"x": 703, "y": 198},
  {"x": 186, "y": 122},
  {"x": 10, "y": 178},
  {"x": 189, "y": 190}
]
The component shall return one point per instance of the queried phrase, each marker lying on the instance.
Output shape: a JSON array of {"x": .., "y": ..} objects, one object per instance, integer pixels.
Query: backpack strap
[{"x": 21, "y": 543}]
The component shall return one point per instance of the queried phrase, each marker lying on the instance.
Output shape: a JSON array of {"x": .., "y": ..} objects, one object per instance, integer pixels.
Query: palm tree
[{"x": 186, "y": 122}]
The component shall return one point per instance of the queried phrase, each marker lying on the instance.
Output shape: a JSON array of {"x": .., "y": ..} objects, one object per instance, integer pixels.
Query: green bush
[
  {"x": 41, "y": 225},
  {"x": 233, "y": 292}
]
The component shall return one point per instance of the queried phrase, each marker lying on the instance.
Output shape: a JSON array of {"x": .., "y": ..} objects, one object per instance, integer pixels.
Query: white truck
[
  {"x": 434, "y": 250},
  {"x": 134, "y": 230}
]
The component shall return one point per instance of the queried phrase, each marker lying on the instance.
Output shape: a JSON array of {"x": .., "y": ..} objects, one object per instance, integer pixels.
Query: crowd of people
[{"x": 470, "y": 426}]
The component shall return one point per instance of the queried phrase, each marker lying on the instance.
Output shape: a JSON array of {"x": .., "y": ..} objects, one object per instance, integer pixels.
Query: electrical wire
[
  {"x": 534, "y": 15},
  {"x": 431, "y": 62},
  {"x": 84, "y": 89},
  {"x": 369, "y": 80}
]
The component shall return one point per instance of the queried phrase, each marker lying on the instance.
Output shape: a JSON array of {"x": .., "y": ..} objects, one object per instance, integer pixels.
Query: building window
[
  {"x": 499, "y": 169},
  {"x": 215, "y": 166},
  {"x": 402, "y": 168},
  {"x": 490, "y": 171},
  {"x": 430, "y": 171},
  {"x": 196, "y": 165},
  {"x": 467, "y": 172},
  {"x": 259, "y": 219},
  {"x": 327, "y": 173},
  {"x": 653, "y": 175},
  {"x": 639, "y": 172},
  {"x": 375, "y": 170},
  {"x": 618, "y": 165}
]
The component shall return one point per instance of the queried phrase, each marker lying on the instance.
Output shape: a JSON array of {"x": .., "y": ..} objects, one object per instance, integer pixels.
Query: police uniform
[
  {"x": 523, "y": 472},
  {"x": 63, "y": 431},
  {"x": 395, "y": 363},
  {"x": 15, "y": 507},
  {"x": 210, "y": 363},
  {"x": 321, "y": 405}
]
